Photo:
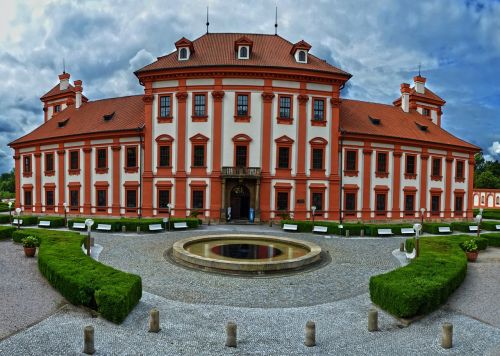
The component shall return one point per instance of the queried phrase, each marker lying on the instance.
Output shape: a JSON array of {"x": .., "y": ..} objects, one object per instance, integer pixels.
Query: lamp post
[
  {"x": 88, "y": 223},
  {"x": 65, "y": 207},
  {"x": 10, "y": 212},
  {"x": 18, "y": 213},
  {"x": 169, "y": 206},
  {"x": 313, "y": 208},
  {"x": 478, "y": 219},
  {"x": 422, "y": 211},
  {"x": 417, "y": 228}
]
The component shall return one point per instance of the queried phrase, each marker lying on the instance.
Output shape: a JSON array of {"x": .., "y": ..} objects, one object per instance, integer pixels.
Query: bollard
[
  {"x": 347, "y": 233},
  {"x": 372, "y": 320},
  {"x": 138, "y": 229},
  {"x": 362, "y": 233},
  {"x": 154, "y": 320},
  {"x": 402, "y": 247},
  {"x": 447, "y": 336},
  {"x": 88, "y": 340},
  {"x": 231, "y": 334},
  {"x": 310, "y": 334},
  {"x": 124, "y": 228}
]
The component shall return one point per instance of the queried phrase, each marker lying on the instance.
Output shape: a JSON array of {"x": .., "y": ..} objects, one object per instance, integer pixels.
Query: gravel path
[{"x": 26, "y": 297}]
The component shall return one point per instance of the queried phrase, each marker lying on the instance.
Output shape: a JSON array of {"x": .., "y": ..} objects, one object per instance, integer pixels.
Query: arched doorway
[{"x": 240, "y": 202}]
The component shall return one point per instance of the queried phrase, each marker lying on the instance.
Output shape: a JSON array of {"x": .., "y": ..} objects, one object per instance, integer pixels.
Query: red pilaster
[
  {"x": 301, "y": 178},
  {"x": 367, "y": 168},
  {"x": 61, "y": 170},
  {"x": 87, "y": 150},
  {"x": 265, "y": 186},
  {"x": 424, "y": 156},
  {"x": 180, "y": 176},
  {"x": 334, "y": 179},
  {"x": 17, "y": 172},
  {"x": 215, "y": 182},
  {"x": 38, "y": 180},
  {"x": 116, "y": 177},
  {"x": 147, "y": 176},
  {"x": 470, "y": 187},
  {"x": 447, "y": 189},
  {"x": 396, "y": 186}
]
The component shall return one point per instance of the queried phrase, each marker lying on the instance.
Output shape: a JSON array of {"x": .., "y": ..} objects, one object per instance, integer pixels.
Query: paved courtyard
[{"x": 271, "y": 312}]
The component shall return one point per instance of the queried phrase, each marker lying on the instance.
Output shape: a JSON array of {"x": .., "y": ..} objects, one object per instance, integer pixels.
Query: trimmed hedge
[
  {"x": 433, "y": 228},
  {"x": 493, "y": 239},
  {"x": 132, "y": 224},
  {"x": 372, "y": 229},
  {"x": 489, "y": 225},
  {"x": 5, "y": 219},
  {"x": 115, "y": 225},
  {"x": 426, "y": 283},
  {"x": 6, "y": 232},
  {"x": 489, "y": 213},
  {"x": 55, "y": 221},
  {"x": 462, "y": 226},
  {"x": 82, "y": 280}
]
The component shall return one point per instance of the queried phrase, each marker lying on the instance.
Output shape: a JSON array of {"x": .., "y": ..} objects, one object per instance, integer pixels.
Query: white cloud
[{"x": 494, "y": 149}]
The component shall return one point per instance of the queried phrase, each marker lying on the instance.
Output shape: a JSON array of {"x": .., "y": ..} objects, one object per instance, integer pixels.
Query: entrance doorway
[{"x": 240, "y": 202}]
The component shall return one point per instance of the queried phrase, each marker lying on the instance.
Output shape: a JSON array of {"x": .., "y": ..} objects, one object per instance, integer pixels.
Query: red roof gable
[{"x": 427, "y": 95}]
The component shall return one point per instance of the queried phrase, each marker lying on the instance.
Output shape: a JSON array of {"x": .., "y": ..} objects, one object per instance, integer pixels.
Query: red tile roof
[
  {"x": 394, "y": 122},
  {"x": 428, "y": 94},
  {"x": 56, "y": 90},
  {"x": 88, "y": 119},
  {"x": 217, "y": 49}
]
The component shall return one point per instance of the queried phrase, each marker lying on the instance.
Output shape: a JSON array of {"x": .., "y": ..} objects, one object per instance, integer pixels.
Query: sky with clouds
[{"x": 381, "y": 43}]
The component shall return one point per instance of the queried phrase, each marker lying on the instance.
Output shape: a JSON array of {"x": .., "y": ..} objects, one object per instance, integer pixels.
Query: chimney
[
  {"x": 405, "y": 97},
  {"x": 419, "y": 84},
  {"x": 78, "y": 92},
  {"x": 64, "y": 81}
]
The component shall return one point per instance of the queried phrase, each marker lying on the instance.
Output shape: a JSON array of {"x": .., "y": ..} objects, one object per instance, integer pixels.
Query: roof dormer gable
[
  {"x": 243, "y": 47},
  {"x": 300, "y": 50},
  {"x": 184, "y": 49}
]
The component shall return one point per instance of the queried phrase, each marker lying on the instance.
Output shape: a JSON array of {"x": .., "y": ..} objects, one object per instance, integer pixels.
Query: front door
[{"x": 240, "y": 202}]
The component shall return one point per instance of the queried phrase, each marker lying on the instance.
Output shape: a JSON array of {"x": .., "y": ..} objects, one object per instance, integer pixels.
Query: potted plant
[
  {"x": 30, "y": 244},
  {"x": 470, "y": 248}
]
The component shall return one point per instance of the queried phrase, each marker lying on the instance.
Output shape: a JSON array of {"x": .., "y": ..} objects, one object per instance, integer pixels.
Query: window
[
  {"x": 317, "y": 158},
  {"x": 27, "y": 198},
  {"x": 74, "y": 197},
  {"x": 382, "y": 162},
  {"x": 302, "y": 56},
  {"x": 350, "y": 202},
  {"x": 459, "y": 203},
  {"x": 284, "y": 157},
  {"x": 317, "y": 200},
  {"x": 351, "y": 164},
  {"x": 243, "y": 53},
  {"x": 435, "y": 202},
  {"x": 409, "y": 203},
  {"x": 319, "y": 109},
  {"x": 197, "y": 199},
  {"x": 131, "y": 157},
  {"x": 165, "y": 106},
  {"x": 436, "y": 167},
  {"x": 74, "y": 160},
  {"x": 101, "y": 158},
  {"x": 164, "y": 156},
  {"x": 410, "y": 164},
  {"x": 380, "y": 202},
  {"x": 57, "y": 108},
  {"x": 460, "y": 170},
  {"x": 285, "y": 107},
  {"x": 199, "y": 156},
  {"x": 282, "y": 201},
  {"x": 242, "y": 105},
  {"x": 27, "y": 164},
  {"x": 241, "y": 156},
  {"x": 102, "y": 200},
  {"x": 200, "y": 106},
  {"x": 49, "y": 198},
  {"x": 183, "y": 53},
  {"x": 426, "y": 112},
  {"x": 163, "y": 199},
  {"x": 131, "y": 198},
  {"x": 49, "y": 162}
]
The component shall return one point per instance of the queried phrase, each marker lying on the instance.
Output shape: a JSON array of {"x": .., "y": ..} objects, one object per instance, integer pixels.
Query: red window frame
[
  {"x": 135, "y": 168},
  {"x": 314, "y": 121},
  {"x": 199, "y": 140},
  {"x": 409, "y": 191},
  {"x": 241, "y": 140},
  {"x": 409, "y": 175},
  {"x": 198, "y": 186},
  {"x": 437, "y": 177},
  {"x": 27, "y": 163},
  {"x": 385, "y": 172},
  {"x": 282, "y": 188},
  {"x": 284, "y": 142},
  {"x": 195, "y": 117},
  {"x": 164, "y": 141},
  {"x": 28, "y": 188},
  {"x": 161, "y": 186},
  {"x": 74, "y": 171},
  {"x": 48, "y": 172},
  {"x": 50, "y": 188},
  {"x": 285, "y": 120},
  {"x": 316, "y": 188},
  {"x": 347, "y": 171},
  {"x": 318, "y": 143},
  {"x": 381, "y": 190},
  {"x": 350, "y": 189},
  {"x": 242, "y": 118},
  {"x": 168, "y": 118},
  {"x": 460, "y": 178},
  {"x": 105, "y": 169}
]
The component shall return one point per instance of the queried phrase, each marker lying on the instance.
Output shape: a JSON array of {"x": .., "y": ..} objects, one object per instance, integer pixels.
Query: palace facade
[{"x": 244, "y": 121}]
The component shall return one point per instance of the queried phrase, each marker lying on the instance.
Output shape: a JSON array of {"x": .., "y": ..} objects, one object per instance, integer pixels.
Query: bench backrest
[
  {"x": 472, "y": 228},
  {"x": 155, "y": 227},
  {"x": 385, "y": 231},
  {"x": 497, "y": 227},
  {"x": 104, "y": 226},
  {"x": 407, "y": 230},
  {"x": 444, "y": 229},
  {"x": 79, "y": 225},
  {"x": 44, "y": 223},
  {"x": 180, "y": 225},
  {"x": 15, "y": 221},
  {"x": 320, "y": 228},
  {"x": 290, "y": 227}
]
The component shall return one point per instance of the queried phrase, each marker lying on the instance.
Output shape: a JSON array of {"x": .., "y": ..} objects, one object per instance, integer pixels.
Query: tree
[{"x": 486, "y": 173}]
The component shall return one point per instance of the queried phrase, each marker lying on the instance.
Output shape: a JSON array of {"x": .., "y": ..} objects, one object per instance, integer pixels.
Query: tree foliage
[{"x": 486, "y": 173}]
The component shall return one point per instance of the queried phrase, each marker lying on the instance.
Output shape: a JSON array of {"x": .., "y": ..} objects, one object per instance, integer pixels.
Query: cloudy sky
[{"x": 380, "y": 42}]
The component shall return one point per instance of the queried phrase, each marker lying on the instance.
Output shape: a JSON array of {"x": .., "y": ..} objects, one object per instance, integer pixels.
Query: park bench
[
  {"x": 180, "y": 225},
  {"x": 15, "y": 222},
  {"x": 444, "y": 230},
  {"x": 411, "y": 255},
  {"x": 385, "y": 232},
  {"x": 290, "y": 227},
  {"x": 407, "y": 231},
  {"x": 155, "y": 227},
  {"x": 80, "y": 226},
  {"x": 44, "y": 223},
  {"x": 321, "y": 229},
  {"x": 497, "y": 227},
  {"x": 473, "y": 228},
  {"x": 103, "y": 227}
]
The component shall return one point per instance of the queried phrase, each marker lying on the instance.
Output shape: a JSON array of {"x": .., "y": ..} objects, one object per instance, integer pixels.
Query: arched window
[
  {"x": 498, "y": 200},
  {"x": 482, "y": 199},
  {"x": 183, "y": 53},
  {"x": 243, "y": 52},
  {"x": 302, "y": 56}
]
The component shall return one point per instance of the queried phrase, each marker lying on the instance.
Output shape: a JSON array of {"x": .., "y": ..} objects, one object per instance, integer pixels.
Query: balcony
[{"x": 240, "y": 172}]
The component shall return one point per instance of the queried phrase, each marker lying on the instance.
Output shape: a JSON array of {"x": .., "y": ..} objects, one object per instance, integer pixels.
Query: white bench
[
  {"x": 156, "y": 227},
  {"x": 44, "y": 223},
  {"x": 80, "y": 226},
  {"x": 407, "y": 231},
  {"x": 473, "y": 228},
  {"x": 385, "y": 232},
  {"x": 321, "y": 229},
  {"x": 180, "y": 225},
  {"x": 444, "y": 229},
  {"x": 290, "y": 227},
  {"x": 15, "y": 222},
  {"x": 497, "y": 227},
  {"x": 411, "y": 255},
  {"x": 103, "y": 227}
]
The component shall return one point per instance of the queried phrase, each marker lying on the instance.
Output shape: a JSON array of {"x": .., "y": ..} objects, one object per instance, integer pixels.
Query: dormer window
[
  {"x": 302, "y": 57},
  {"x": 243, "y": 47},
  {"x": 300, "y": 50},
  {"x": 185, "y": 49},
  {"x": 183, "y": 54},
  {"x": 243, "y": 52}
]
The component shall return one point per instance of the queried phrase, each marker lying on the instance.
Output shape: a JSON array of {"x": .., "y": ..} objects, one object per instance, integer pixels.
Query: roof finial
[
  {"x": 276, "y": 20},
  {"x": 419, "y": 65},
  {"x": 64, "y": 67},
  {"x": 208, "y": 23}
]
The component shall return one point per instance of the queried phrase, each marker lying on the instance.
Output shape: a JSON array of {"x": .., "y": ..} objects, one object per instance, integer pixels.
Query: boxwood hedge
[
  {"x": 132, "y": 224},
  {"x": 433, "y": 228},
  {"x": 82, "y": 280},
  {"x": 55, "y": 221},
  {"x": 372, "y": 229},
  {"x": 6, "y": 232},
  {"x": 489, "y": 213},
  {"x": 5, "y": 219},
  {"x": 427, "y": 282},
  {"x": 493, "y": 239},
  {"x": 462, "y": 226},
  {"x": 489, "y": 225}
]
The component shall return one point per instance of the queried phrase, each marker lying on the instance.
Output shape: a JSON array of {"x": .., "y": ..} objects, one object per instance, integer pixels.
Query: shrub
[
  {"x": 462, "y": 226},
  {"x": 29, "y": 220},
  {"x": 30, "y": 241},
  {"x": 493, "y": 239},
  {"x": 469, "y": 245},
  {"x": 409, "y": 244},
  {"x": 131, "y": 224},
  {"x": 302, "y": 226},
  {"x": 489, "y": 213},
  {"x": 490, "y": 225},
  {"x": 115, "y": 223},
  {"x": 433, "y": 228},
  {"x": 5, "y": 219},
  {"x": 6, "y": 232},
  {"x": 372, "y": 229},
  {"x": 55, "y": 221},
  {"x": 82, "y": 280}
]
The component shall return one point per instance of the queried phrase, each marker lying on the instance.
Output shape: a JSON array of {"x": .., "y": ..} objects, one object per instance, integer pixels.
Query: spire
[
  {"x": 208, "y": 23},
  {"x": 64, "y": 67},
  {"x": 419, "y": 65},
  {"x": 276, "y": 21}
]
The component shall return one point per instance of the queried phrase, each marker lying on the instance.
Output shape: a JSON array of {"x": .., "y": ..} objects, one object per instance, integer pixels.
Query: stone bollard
[
  {"x": 138, "y": 229},
  {"x": 124, "y": 228},
  {"x": 154, "y": 320},
  {"x": 347, "y": 233},
  {"x": 447, "y": 336},
  {"x": 231, "y": 334},
  {"x": 372, "y": 320},
  {"x": 402, "y": 247},
  {"x": 362, "y": 233},
  {"x": 88, "y": 340},
  {"x": 310, "y": 334}
]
